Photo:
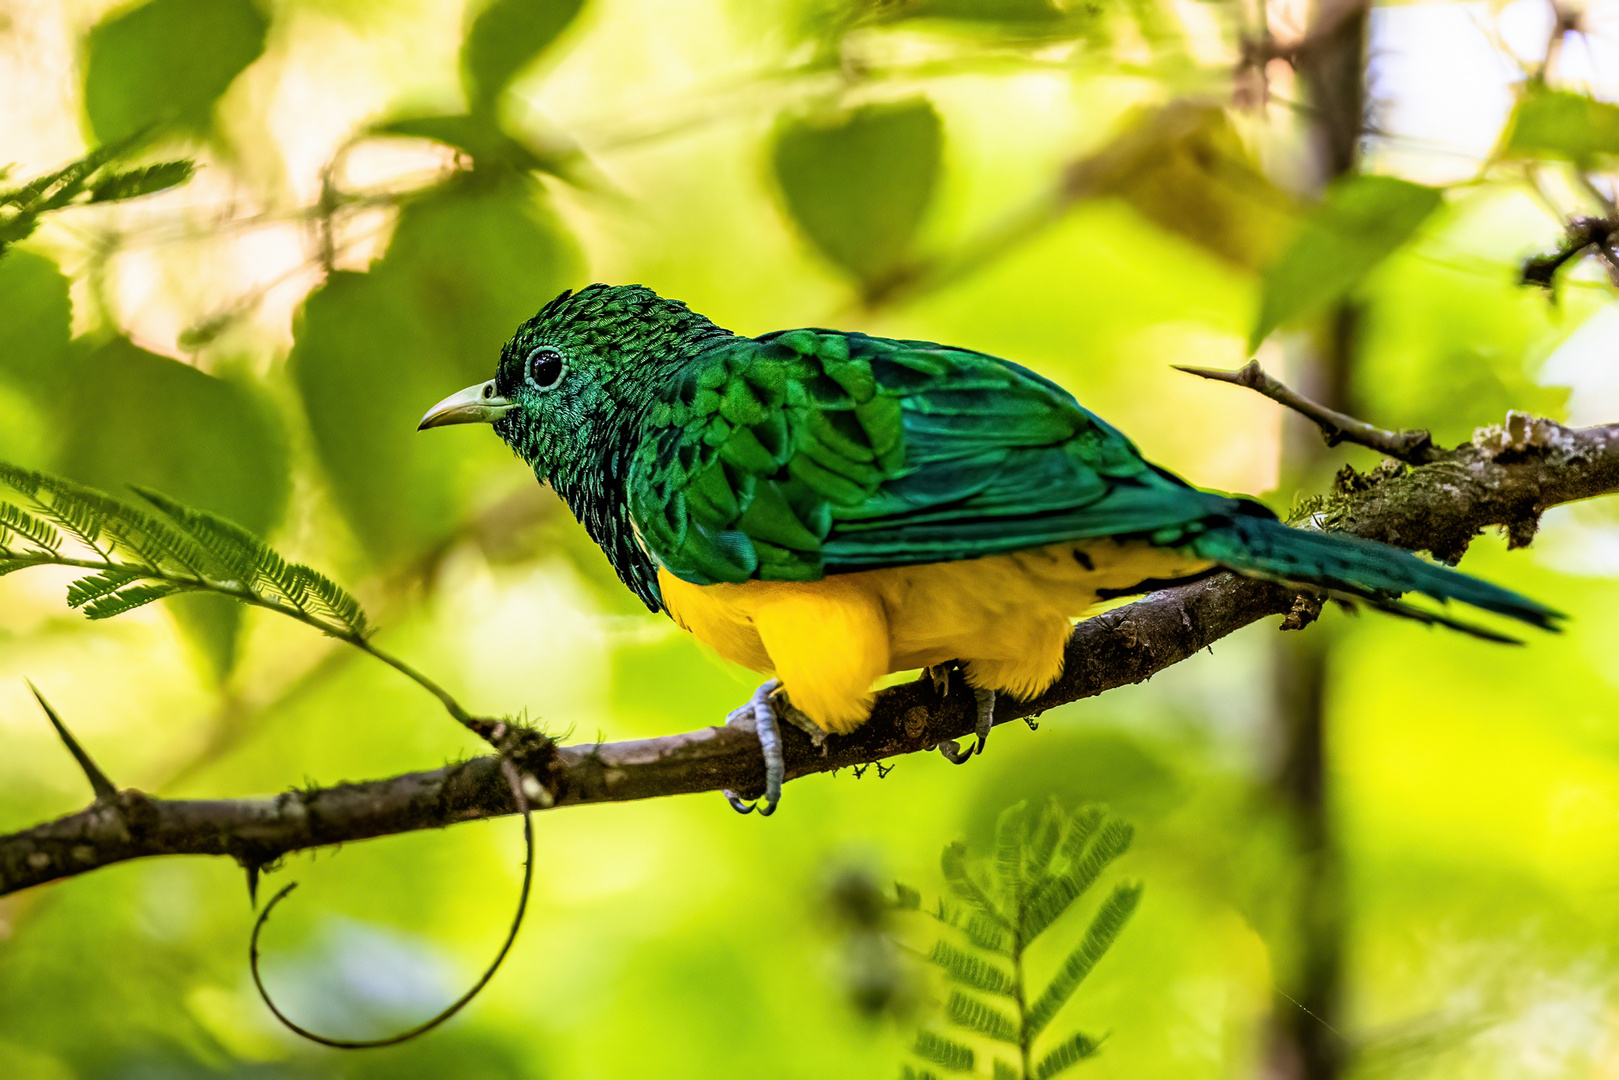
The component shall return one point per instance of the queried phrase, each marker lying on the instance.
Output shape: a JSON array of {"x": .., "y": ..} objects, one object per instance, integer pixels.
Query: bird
[{"x": 828, "y": 506}]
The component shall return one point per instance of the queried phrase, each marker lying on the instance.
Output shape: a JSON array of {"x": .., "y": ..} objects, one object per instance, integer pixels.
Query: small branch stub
[{"x": 1412, "y": 447}]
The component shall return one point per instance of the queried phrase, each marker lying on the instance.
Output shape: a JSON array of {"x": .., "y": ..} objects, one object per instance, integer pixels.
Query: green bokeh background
[{"x": 790, "y": 163}]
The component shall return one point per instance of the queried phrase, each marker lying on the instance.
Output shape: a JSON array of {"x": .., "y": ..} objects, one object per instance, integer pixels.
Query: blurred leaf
[
  {"x": 858, "y": 186},
  {"x": 503, "y": 39},
  {"x": 1184, "y": 167},
  {"x": 987, "y": 11},
  {"x": 134, "y": 183},
  {"x": 37, "y": 316},
  {"x": 1361, "y": 221},
  {"x": 1115, "y": 912},
  {"x": 145, "y": 419},
  {"x": 943, "y": 1051},
  {"x": 466, "y": 265},
  {"x": 167, "y": 61},
  {"x": 1068, "y": 1054},
  {"x": 968, "y": 1012},
  {"x": 1560, "y": 124},
  {"x": 477, "y": 136}
]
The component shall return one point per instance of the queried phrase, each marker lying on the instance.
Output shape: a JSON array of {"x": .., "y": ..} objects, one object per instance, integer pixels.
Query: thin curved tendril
[{"x": 512, "y": 778}]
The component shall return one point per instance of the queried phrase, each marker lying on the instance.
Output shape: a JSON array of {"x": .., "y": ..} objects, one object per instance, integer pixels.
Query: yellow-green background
[{"x": 1473, "y": 788}]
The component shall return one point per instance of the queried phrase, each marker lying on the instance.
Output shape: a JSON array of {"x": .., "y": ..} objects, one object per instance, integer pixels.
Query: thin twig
[
  {"x": 509, "y": 771},
  {"x": 1412, "y": 447}
]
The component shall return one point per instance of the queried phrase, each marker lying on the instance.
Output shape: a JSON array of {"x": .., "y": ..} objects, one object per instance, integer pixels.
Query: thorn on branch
[
  {"x": 1413, "y": 446},
  {"x": 104, "y": 788}
]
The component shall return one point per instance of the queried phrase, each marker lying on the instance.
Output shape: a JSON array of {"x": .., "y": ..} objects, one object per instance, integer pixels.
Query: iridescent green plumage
[{"x": 807, "y": 453}]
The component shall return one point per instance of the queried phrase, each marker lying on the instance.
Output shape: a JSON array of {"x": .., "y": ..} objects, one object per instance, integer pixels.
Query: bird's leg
[
  {"x": 985, "y": 702},
  {"x": 768, "y": 705}
]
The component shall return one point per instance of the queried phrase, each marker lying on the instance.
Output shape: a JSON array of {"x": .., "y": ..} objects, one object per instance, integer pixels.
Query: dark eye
[{"x": 544, "y": 368}]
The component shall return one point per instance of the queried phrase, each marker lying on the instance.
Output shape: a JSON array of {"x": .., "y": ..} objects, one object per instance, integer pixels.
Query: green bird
[{"x": 829, "y": 507}]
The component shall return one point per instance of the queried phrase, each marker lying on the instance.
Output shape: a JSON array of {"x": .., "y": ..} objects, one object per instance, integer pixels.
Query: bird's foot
[
  {"x": 939, "y": 675},
  {"x": 769, "y": 705},
  {"x": 985, "y": 702}
]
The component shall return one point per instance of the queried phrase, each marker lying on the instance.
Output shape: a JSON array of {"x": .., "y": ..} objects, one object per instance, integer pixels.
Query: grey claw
[
  {"x": 763, "y": 712},
  {"x": 951, "y": 750}
]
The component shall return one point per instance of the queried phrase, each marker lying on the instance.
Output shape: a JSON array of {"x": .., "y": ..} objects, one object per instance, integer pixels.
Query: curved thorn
[{"x": 456, "y": 1006}]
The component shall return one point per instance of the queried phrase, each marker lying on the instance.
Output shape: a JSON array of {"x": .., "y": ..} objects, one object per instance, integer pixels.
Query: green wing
[{"x": 810, "y": 452}]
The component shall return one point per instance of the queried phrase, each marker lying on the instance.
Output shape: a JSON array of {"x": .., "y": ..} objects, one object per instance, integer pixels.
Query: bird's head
[{"x": 574, "y": 376}]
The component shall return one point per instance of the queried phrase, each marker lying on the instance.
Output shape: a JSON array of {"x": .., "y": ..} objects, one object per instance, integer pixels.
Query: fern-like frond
[
  {"x": 987, "y": 933},
  {"x": 1053, "y": 898},
  {"x": 907, "y": 898},
  {"x": 131, "y": 597},
  {"x": 1011, "y": 835},
  {"x": 1066, "y": 1056},
  {"x": 95, "y": 586},
  {"x": 11, "y": 566},
  {"x": 1042, "y": 845},
  {"x": 1110, "y": 919},
  {"x": 326, "y": 597},
  {"x": 967, "y": 969},
  {"x": 80, "y": 512},
  {"x": 15, "y": 521},
  {"x": 954, "y": 865},
  {"x": 1081, "y": 827},
  {"x": 966, "y": 1011},
  {"x": 942, "y": 1051},
  {"x": 234, "y": 551}
]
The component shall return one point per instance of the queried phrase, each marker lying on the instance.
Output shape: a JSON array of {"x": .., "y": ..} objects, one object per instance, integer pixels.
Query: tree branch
[
  {"x": 1505, "y": 476},
  {"x": 1411, "y": 447}
]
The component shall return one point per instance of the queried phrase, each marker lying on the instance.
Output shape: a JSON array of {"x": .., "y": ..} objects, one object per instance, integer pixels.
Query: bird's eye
[{"x": 544, "y": 368}]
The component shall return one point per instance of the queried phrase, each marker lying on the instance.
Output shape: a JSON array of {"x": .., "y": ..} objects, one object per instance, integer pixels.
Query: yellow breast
[{"x": 1006, "y": 617}]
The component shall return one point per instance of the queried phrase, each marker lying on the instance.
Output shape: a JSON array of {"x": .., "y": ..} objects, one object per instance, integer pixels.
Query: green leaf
[
  {"x": 130, "y": 598},
  {"x": 1110, "y": 919},
  {"x": 210, "y": 442},
  {"x": 1359, "y": 223},
  {"x": 1010, "y": 837},
  {"x": 1558, "y": 124},
  {"x": 906, "y": 898},
  {"x": 969, "y": 970},
  {"x": 1057, "y": 895},
  {"x": 34, "y": 329},
  {"x": 167, "y": 61},
  {"x": 966, "y": 1011},
  {"x": 14, "y": 521},
  {"x": 503, "y": 39},
  {"x": 1068, "y": 1054},
  {"x": 858, "y": 186},
  {"x": 956, "y": 874},
  {"x": 987, "y": 933},
  {"x": 467, "y": 264},
  {"x": 1042, "y": 843},
  {"x": 931, "y": 1046},
  {"x": 143, "y": 181},
  {"x": 1002, "y": 1070},
  {"x": 94, "y": 586}
]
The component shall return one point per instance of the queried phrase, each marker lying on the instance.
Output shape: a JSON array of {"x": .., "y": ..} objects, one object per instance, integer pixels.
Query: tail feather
[{"x": 1377, "y": 573}]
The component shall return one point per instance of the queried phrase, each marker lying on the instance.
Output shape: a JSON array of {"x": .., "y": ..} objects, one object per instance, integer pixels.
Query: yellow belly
[{"x": 1006, "y": 617}]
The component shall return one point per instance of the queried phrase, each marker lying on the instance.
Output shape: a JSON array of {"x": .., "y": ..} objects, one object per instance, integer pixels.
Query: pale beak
[{"x": 474, "y": 405}]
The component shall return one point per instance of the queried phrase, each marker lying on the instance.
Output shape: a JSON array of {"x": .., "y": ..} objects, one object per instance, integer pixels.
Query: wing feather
[{"x": 814, "y": 452}]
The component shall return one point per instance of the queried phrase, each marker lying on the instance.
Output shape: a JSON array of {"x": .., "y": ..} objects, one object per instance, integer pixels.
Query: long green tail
[{"x": 1377, "y": 573}]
